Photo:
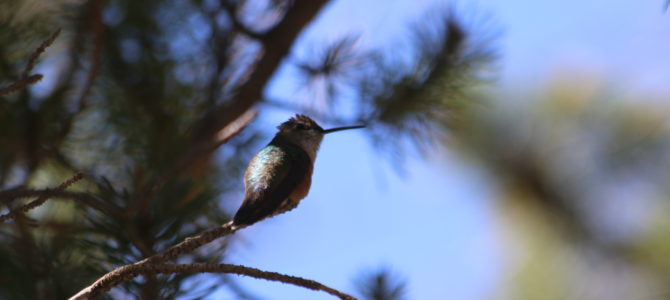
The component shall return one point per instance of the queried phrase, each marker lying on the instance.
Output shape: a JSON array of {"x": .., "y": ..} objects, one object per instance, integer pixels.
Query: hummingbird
[{"x": 280, "y": 174}]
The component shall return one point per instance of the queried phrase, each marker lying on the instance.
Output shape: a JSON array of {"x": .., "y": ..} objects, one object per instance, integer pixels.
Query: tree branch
[
  {"x": 125, "y": 272},
  {"x": 89, "y": 200},
  {"x": 42, "y": 198},
  {"x": 26, "y": 79},
  {"x": 36, "y": 54},
  {"x": 19, "y": 84},
  {"x": 277, "y": 44},
  {"x": 146, "y": 269},
  {"x": 202, "y": 152}
]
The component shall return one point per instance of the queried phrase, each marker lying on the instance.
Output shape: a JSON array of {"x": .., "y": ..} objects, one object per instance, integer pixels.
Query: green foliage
[
  {"x": 134, "y": 95},
  {"x": 415, "y": 95},
  {"x": 582, "y": 188}
]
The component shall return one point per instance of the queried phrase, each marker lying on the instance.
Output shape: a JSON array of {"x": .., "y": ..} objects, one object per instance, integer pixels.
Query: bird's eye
[{"x": 300, "y": 126}]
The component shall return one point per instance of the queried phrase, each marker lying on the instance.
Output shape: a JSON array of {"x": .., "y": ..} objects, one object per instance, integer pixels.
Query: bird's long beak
[{"x": 342, "y": 128}]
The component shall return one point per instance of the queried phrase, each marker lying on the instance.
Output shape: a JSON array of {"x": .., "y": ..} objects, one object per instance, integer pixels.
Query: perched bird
[{"x": 279, "y": 175}]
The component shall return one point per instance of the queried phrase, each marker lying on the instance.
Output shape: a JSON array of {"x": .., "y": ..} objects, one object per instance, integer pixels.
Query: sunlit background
[{"x": 549, "y": 183}]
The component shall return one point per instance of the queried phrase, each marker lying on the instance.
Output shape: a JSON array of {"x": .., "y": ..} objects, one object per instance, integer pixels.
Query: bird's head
[{"x": 306, "y": 133}]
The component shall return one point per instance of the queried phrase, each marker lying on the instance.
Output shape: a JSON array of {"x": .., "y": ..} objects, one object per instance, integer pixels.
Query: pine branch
[
  {"x": 42, "y": 199},
  {"x": 26, "y": 79},
  {"x": 124, "y": 273},
  {"x": 203, "y": 151},
  {"x": 89, "y": 200},
  {"x": 19, "y": 84},
  {"x": 36, "y": 54},
  {"x": 145, "y": 269},
  {"x": 277, "y": 44}
]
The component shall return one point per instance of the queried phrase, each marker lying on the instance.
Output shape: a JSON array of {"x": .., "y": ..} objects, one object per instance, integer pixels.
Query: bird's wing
[{"x": 270, "y": 178}]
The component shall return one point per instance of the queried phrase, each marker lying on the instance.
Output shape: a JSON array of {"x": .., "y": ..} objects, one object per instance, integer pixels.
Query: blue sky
[
  {"x": 437, "y": 227},
  {"x": 619, "y": 40}
]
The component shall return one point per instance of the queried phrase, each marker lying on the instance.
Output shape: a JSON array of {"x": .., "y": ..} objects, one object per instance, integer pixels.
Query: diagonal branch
[
  {"x": 125, "y": 273},
  {"x": 201, "y": 152},
  {"x": 19, "y": 84},
  {"x": 26, "y": 79},
  {"x": 36, "y": 54},
  {"x": 277, "y": 43},
  {"x": 87, "y": 199},
  {"x": 43, "y": 198},
  {"x": 146, "y": 269}
]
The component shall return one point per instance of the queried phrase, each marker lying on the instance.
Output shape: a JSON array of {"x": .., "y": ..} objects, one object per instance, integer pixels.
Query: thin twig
[
  {"x": 36, "y": 54},
  {"x": 7, "y": 196},
  {"x": 229, "y": 131},
  {"x": 40, "y": 200},
  {"x": 19, "y": 84},
  {"x": 26, "y": 79},
  {"x": 146, "y": 269}
]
